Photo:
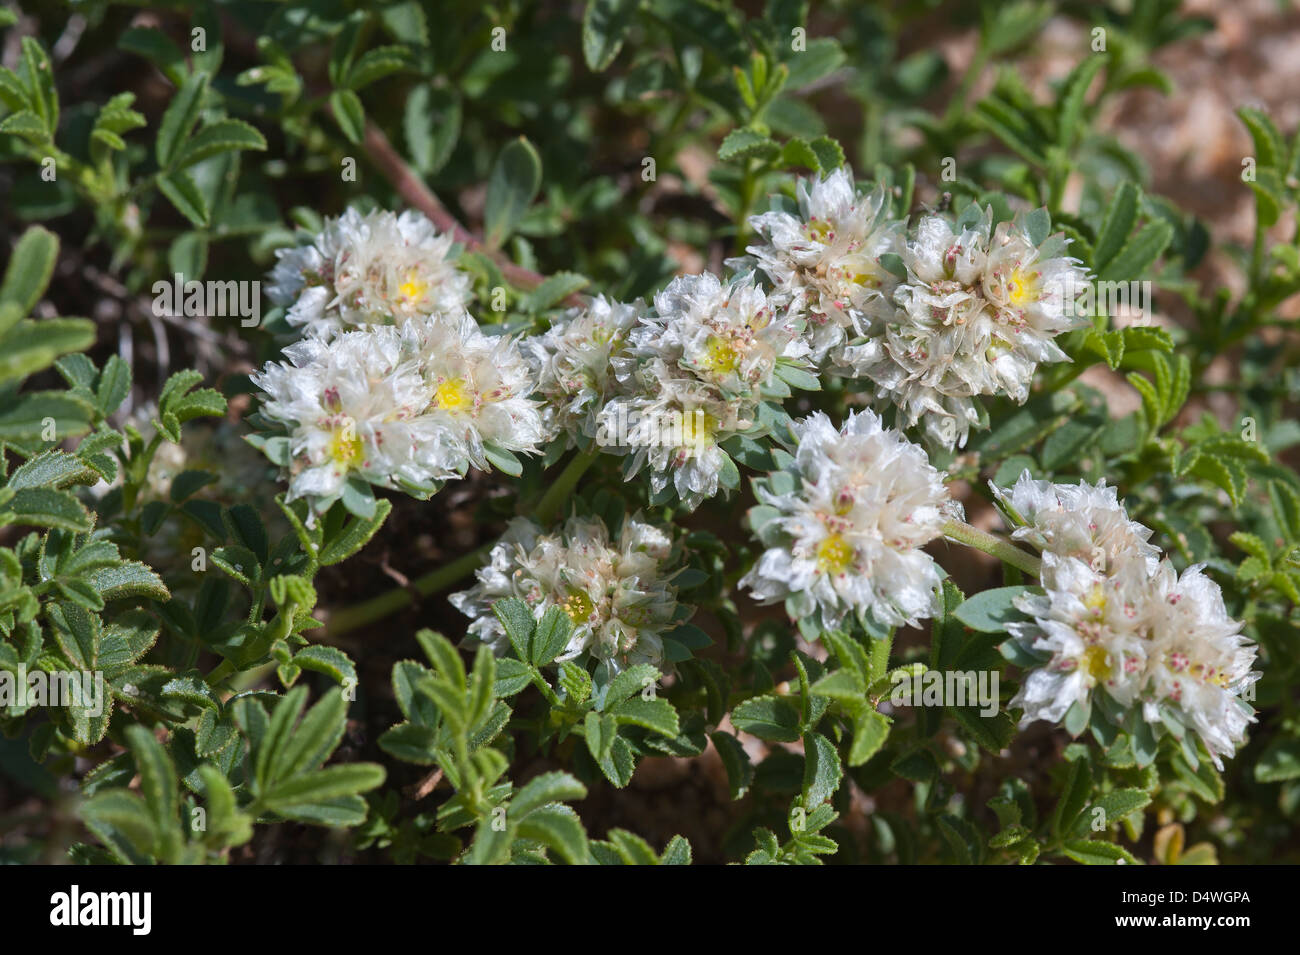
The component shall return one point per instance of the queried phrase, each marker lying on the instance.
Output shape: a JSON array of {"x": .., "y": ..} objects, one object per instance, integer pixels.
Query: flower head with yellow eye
[
  {"x": 824, "y": 260},
  {"x": 375, "y": 269},
  {"x": 616, "y": 589},
  {"x": 976, "y": 313},
  {"x": 1115, "y": 618},
  {"x": 845, "y": 524}
]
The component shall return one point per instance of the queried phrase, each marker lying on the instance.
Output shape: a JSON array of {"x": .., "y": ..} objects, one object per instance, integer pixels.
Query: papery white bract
[
  {"x": 845, "y": 525},
  {"x": 573, "y": 361},
  {"x": 407, "y": 407},
  {"x": 1118, "y": 619},
  {"x": 351, "y": 407},
  {"x": 977, "y": 313},
  {"x": 825, "y": 262},
  {"x": 1076, "y": 520},
  {"x": 617, "y": 593},
  {"x": 374, "y": 269},
  {"x": 693, "y": 375}
]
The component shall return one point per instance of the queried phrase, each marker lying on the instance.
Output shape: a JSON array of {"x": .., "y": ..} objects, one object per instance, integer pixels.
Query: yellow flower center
[
  {"x": 414, "y": 288},
  {"x": 578, "y": 606},
  {"x": 1094, "y": 662},
  {"x": 697, "y": 427},
  {"x": 345, "y": 447},
  {"x": 818, "y": 229},
  {"x": 453, "y": 395},
  {"x": 835, "y": 554},
  {"x": 720, "y": 356},
  {"x": 1096, "y": 599},
  {"x": 1020, "y": 288}
]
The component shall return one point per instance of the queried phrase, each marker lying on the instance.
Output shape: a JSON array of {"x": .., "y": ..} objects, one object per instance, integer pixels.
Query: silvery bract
[
  {"x": 378, "y": 268},
  {"x": 845, "y": 524},
  {"x": 692, "y": 376},
  {"x": 393, "y": 407},
  {"x": 573, "y": 361},
  {"x": 1115, "y": 617},
  {"x": 617, "y": 593},
  {"x": 825, "y": 262}
]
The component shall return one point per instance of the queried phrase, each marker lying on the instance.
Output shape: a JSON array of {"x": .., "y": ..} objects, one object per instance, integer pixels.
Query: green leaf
[
  {"x": 745, "y": 142},
  {"x": 129, "y": 579},
  {"x": 870, "y": 730},
  {"x": 821, "y": 772},
  {"x": 552, "y": 787},
  {"x": 656, "y": 715},
  {"x": 740, "y": 771},
  {"x": 989, "y": 611},
  {"x": 323, "y": 785},
  {"x": 767, "y": 717},
  {"x": 32, "y": 346},
  {"x": 516, "y": 176},
  {"x": 558, "y": 828},
  {"x": 1137, "y": 255},
  {"x": 829, "y": 153},
  {"x": 46, "y": 507},
  {"x": 604, "y": 26},
  {"x": 1093, "y": 852},
  {"x": 29, "y": 271},
  {"x": 354, "y": 535},
  {"x": 1279, "y": 762},
  {"x": 158, "y": 786},
  {"x": 431, "y": 125},
  {"x": 554, "y": 290},
  {"x": 349, "y": 114},
  {"x": 225, "y": 135},
  {"x": 1116, "y": 225},
  {"x": 182, "y": 193},
  {"x": 181, "y": 115}
]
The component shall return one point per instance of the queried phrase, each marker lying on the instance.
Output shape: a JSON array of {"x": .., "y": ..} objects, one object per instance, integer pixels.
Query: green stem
[
  {"x": 368, "y": 611},
  {"x": 999, "y": 547},
  {"x": 559, "y": 492}
]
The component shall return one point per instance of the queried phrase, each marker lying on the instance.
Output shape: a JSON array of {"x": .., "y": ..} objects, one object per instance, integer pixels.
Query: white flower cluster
[
  {"x": 1118, "y": 617},
  {"x": 375, "y": 269},
  {"x": 966, "y": 311},
  {"x": 395, "y": 384},
  {"x": 693, "y": 374},
  {"x": 845, "y": 524},
  {"x": 617, "y": 593},
  {"x": 574, "y": 362}
]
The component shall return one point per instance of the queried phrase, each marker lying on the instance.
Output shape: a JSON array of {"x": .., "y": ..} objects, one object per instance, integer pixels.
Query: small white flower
[
  {"x": 351, "y": 407},
  {"x": 1116, "y": 617},
  {"x": 978, "y": 312},
  {"x": 398, "y": 408},
  {"x": 825, "y": 262},
  {"x": 375, "y": 269},
  {"x": 573, "y": 361},
  {"x": 1094, "y": 627},
  {"x": 851, "y": 516},
  {"x": 1076, "y": 520},
  {"x": 479, "y": 392},
  {"x": 615, "y": 592},
  {"x": 692, "y": 376},
  {"x": 1199, "y": 661}
]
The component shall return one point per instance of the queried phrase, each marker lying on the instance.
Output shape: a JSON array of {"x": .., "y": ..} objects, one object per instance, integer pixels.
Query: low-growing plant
[{"x": 731, "y": 390}]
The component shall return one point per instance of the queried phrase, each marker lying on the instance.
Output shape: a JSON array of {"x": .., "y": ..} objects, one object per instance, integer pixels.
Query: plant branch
[
  {"x": 408, "y": 184},
  {"x": 999, "y": 547},
  {"x": 389, "y": 602}
]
